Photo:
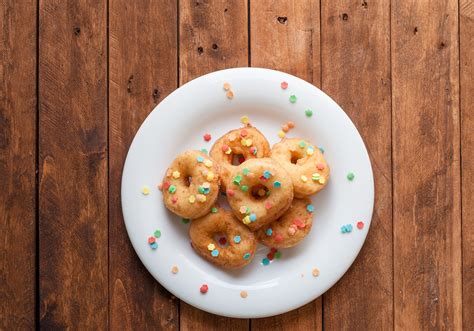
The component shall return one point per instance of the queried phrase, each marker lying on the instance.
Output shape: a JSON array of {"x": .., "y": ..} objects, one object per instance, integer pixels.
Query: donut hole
[
  {"x": 259, "y": 191},
  {"x": 221, "y": 239},
  {"x": 237, "y": 159},
  {"x": 187, "y": 180},
  {"x": 295, "y": 156}
]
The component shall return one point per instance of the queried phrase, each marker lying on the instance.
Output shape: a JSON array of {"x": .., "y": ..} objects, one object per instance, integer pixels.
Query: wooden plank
[
  {"x": 143, "y": 70},
  {"x": 355, "y": 43},
  {"x": 17, "y": 164},
  {"x": 73, "y": 164},
  {"x": 426, "y": 167},
  {"x": 212, "y": 36},
  {"x": 285, "y": 35},
  {"x": 467, "y": 151}
]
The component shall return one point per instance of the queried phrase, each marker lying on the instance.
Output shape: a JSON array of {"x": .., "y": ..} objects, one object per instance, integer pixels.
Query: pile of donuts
[{"x": 267, "y": 189}]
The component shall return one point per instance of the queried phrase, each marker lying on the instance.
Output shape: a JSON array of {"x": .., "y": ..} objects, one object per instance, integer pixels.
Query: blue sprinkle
[
  {"x": 310, "y": 208},
  {"x": 321, "y": 149},
  {"x": 346, "y": 228},
  {"x": 215, "y": 253},
  {"x": 237, "y": 239},
  {"x": 269, "y": 232},
  {"x": 200, "y": 159},
  {"x": 277, "y": 184},
  {"x": 246, "y": 256},
  {"x": 154, "y": 245},
  {"x": 267, "y": 174},
  {"x": 253, "y": 217},
  {"x": 266, "y": 261}
]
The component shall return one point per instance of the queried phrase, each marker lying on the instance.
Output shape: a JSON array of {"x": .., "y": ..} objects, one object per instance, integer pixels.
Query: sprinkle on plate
[
  {"x": 315, "y": 272},
  {"x": 243, "y": 294}
]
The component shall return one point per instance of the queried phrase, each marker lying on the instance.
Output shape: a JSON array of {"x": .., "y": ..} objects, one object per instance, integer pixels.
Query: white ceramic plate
[{"x": 179, "y": 123}]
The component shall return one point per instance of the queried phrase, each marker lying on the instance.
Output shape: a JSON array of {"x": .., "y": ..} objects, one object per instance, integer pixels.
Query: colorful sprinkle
[
  {"x": 172, "y": 189},
  {"x": 310, "y": 151},
  {"x": 291, "y": 124},
  {"x": 215, "y": 253},
  {"x": 278, "y": 255},
  {"x": 157, "y": 234},
  {"x": 145, "y": 190},
  {"x": 244, "y": 188},
  {"x": 243, "y": 294},
  {"x": 302, "y": 144},
  {"x": 265, "y": 261},
  {"x": 213, "y": 210},
  {"x": 281, "y": 134},
  {"x": 253, "y": 150},
  {"x": 230, "y": 192},
  {"x": 237, "y": 179},
  {"x": 174, "y": 199},
  {"x": 247, "y": 256},
  {"x": 350, "y": 176},
  {"x": 245, "y": 171},
  {"x": 165, "y": 185},
  {"x": 204, "y": 150},
  {"x": 176, "y": 174},
  {"x": 243, "y": 133},
  {"x": 210, "y": 176},
  {"x": 315, "y": 177},
  {"x": 322, "y": 180},
  {"x": 151, "y": 240},
  {"x": 310, "y": 208},
  {"x": 292, "y": 230},
  {"x": 360, "y": 225},
  {"x": 174, "y": 269},
  {"x": 320, "y": 166},
  {"x": 203, "y": 289},
  {"x": 246, "y": 220},
  {"x": 276, "y": 184},
  {"x": 200, "y": 159},
  {"x": 226, "y": 86},
  {"x": 315, "y": 272},
  {"x": 321, "y": 148},
  {"x": 285, "y": 128},
  {"x": 207, "y": 137},
  {"x": 304, "y": 179},
  {"x": 253, "y": 217},
  {"x": 237, "y": 239},
  {"x": 244, "y": 119},
  {"x": 268, "y": 205},
  {"x": 208, "y": 163},
  {"x": 211, "y": 247},
  {"x": 346, "y": 228},
  {"x": 293, "y": 98},
  {"x": 185, "y": 220},
  {"x": 269, "y": 232},
  {"x": 284, "y": 85},
  {"x": 154, "y": 245},
  {"x": 278, "y": 237},
  {"x": 308, "y": 112},
  {"x": 230, "y": 94},
  {"x": 192, "y": 198},
  {"x": 243, "y": 209},
  {"x": 267, "y": 174}
]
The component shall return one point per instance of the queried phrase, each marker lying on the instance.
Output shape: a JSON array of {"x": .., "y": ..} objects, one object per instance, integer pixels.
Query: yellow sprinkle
[
  {"x": 210, "y": 176},
  {"x": 246, "y": 219},
  {"x": 192, "y": 198},
  {"x": 322, "y": 180},
  {"x": 201, "y": 198},
  {"x": 244, "y": 119},
  {"x": 309, "y": 151},
  {"x": 249, "y": 142},
  {"x": 315, "y": 272},
  {"x": 281, "y": 134},
  {"x": 230, "y": 94},
  {"x": 174, "y": 269},
  {"x": 211, "y": 247},
  {"x": 145, "y": 190},
  {"x": 304, "y": 179},
  {"x": 243, "y": 210},
  {"x": 243, "y": 294},
  {"x": 228, "y": 151},
  {"x": 261, "y": 192},
  {"x": 226, "y": 86},
  {"x": 208, "y": 163},
  {"x": 176, "y": 174},
  {"x": 232, "y": 136}
]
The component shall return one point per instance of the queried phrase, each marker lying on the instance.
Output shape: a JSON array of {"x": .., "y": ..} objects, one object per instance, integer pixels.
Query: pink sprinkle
[
  {"x": 252, "y": 149},
  {"x": 278, "y": 237},
  {"x": 225, "y": 148},
  {"x": 360, "y": 225},
  {"x": 292, "y": 230},
  {"x": 207, "y": 137},
  {"x": 230, "y": 192},
  {"x": 243, "y": 133},
  {"x": 174, "y": 199},
  {"x": 268, "y": 205},
  {"x": 284, "y": 85},
  {"x": 320, "y": 166},
  {"x": 299, "y": 223},
  {"x": 204, "y": 288},
  {"x": 166, "y": 185},
  {"x": 151, "y": 240}
]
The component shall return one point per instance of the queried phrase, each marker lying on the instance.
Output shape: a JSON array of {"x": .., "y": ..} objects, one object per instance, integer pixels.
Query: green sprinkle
[
  {"x": 172, "y": 189},
  {"x": 244, "y": 188},
  {"x": 157, "y": 234},
  {"x": 237, "y": 179},
  {"x": 350, "y": 176},
  {"x": 308, "y": 112},
  {"x": 293, "y": 98},
  {"x": 185, "y": 220},
  {"x": 246, "y": 171},
  {"x": 201, "y": 189},
  {"x": 205, "y": 151},
  {"x": 302, "y": 144},
  {"x": 316, "y": 176},
  {"x": 278, "y": 255},
  {"x": 213, "y": 210}
]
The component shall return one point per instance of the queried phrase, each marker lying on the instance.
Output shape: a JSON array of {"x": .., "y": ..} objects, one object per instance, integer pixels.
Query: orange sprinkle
[
  {"x": 230, "y": 94},
  {"x": 243, "y": 294},
  {"x": 226, "y": 86},
  {"x": 315, "y": 272},
  {"x": 285, "y": 128},
  {"x": 174, "y": 269},
  {"x": 290, "y": 124}
]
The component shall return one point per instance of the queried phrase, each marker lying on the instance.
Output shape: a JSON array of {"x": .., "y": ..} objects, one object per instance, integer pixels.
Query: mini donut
[
  {"x": 191, "y": 185},
  {"x": 305, "y": 164},
  {"x": 241, "y": 243},
  {"x": 247, "y": 141},
  {"x": 291, "y": 228},
  {"x": 259, "y": 192}
]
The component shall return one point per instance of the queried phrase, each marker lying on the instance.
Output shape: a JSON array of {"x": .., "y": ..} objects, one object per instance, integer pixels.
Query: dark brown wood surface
[{"x": 79, "y": 77}]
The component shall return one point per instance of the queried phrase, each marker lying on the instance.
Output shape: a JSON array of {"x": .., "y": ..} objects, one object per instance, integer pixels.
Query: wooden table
[{"x": 79, "y": 77}]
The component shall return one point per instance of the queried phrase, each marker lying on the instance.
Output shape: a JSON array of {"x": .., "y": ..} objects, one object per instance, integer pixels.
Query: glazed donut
[
  {"x": 241, "y": 243},
  {"x": 305, "y": 164},
  {"x": 291, "y": 228},
  {"x": 247, "y": 142},
  {"x": 191, "y": 185},
  {"x": 259, "y": 192}
]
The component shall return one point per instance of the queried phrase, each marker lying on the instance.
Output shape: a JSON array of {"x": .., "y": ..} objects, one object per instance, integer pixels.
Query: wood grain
[
  {"x": 213, "y": 36},
  {"x": 17, "y": 164},
  {"x": 355, "y": 46},
  {"x": 143, "y": 70},
  {"x": 285, "y": 35},
  {"x": 467, "y": 151},
  {"x": 73, "y": 164},
  {"x": 426, "y": 167}
]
